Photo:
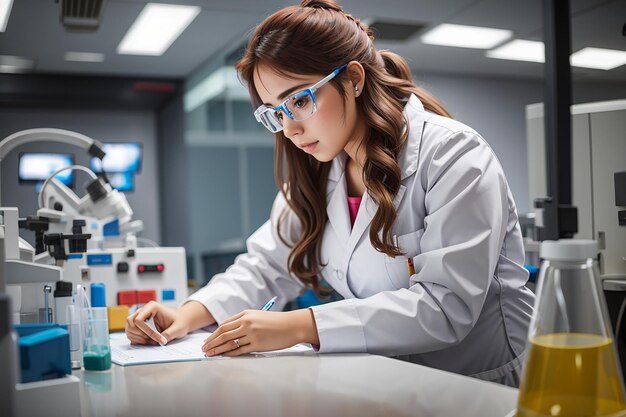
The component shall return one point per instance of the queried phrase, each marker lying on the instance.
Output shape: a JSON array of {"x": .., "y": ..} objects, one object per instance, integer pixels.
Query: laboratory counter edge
[{"x": 290, "y": 385}]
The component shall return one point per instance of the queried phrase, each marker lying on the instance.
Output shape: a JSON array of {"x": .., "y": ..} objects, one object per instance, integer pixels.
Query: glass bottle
[{"x": 571, "y": 368}]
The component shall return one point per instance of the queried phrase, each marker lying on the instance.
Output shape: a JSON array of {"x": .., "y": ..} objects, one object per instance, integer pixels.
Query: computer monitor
[
  {"x": 120, "y": 158},
  {"x": 36, "y": 167},
  {"x": 122, "y": 181}
]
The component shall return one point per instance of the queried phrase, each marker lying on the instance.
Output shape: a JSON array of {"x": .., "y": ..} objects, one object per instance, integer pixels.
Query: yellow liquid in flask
[{"x": 571, "y": 374}]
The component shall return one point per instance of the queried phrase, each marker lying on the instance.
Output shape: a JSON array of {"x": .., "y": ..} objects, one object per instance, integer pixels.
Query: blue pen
[{"x": 269, "y": 304}]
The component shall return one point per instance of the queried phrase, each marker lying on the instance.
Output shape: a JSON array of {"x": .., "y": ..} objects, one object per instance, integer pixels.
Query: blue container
[
  {"x": 44, "y": 351},
  {"x": 98, "y": 295},
  {"x": 533, "y": 272},
  {"x": 308, "y": 299}
]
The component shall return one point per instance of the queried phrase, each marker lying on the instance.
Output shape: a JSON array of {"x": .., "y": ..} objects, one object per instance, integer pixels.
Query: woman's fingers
[
  {"x": 147, "y": 312},
  {"x": 135, "y": 335},
  {"x": 138, "y": 337},
  {"x": 136, "y": 323},
  {"x": 243, "y": 349},
  {"x": 224, "y": 328},
  {"x": 229, "y": 346},
  {"x": 222, "y": 339},
  {"x": 149, "y": 331}
]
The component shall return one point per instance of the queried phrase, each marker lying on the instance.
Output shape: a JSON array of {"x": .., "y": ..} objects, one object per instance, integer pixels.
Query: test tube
[
  {"x": 45, "y": 314},
  {"x": 73, "y": 327}
]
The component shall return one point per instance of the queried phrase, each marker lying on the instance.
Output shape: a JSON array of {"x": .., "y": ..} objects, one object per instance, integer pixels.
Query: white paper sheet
[{"x": 186, "y": 349}]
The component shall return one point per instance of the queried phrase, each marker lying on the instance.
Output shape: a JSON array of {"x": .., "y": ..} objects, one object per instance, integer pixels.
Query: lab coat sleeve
[
  {"x": 464, "y": 227},
  {"x": 257, "y": 275}
]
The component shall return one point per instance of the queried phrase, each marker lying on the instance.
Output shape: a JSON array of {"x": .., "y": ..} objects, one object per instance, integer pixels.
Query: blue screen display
[
  {"x": 120, "y": 157},
  {"x": 38, "y": 166},
  {"x": 122, "y": 181}
]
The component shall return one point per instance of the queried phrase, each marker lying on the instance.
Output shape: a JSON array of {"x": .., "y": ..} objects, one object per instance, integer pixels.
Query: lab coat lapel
[
  {"x": 416, "y": 116},
  {"x": 337, "y": 207}
]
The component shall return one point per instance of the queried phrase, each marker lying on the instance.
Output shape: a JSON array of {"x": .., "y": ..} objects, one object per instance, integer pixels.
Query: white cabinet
[{"x": 598, "y": 152}]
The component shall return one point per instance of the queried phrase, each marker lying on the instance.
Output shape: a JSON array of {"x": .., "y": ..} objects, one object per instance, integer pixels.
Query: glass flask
[{"x": 571, "y": 368}]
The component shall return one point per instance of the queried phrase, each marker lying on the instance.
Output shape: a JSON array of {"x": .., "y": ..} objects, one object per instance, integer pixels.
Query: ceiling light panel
[
  {"x": 463, "y": 36},
  {"x": 519, "y": 50},
  {"x": 5, "y": 11},
  {"x": 598, "y": 58},
  {"x": 156, "y": 28}
]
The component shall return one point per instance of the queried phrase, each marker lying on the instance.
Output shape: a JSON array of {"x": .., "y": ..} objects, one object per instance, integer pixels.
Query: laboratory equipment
[
  {"x": 21, "y": 268},
  {"x": 571, "y": 368},
  {"x": 21, "y": 271},
  {"x": 78, "y": 241},
  {"x": 104, "y": 211},
  {"x": 114, "y": 255},
  {"x": 19, "y": 275}
]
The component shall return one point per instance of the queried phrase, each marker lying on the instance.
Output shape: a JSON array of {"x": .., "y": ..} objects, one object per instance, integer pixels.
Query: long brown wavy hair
[{"x": 316, "y": 38}]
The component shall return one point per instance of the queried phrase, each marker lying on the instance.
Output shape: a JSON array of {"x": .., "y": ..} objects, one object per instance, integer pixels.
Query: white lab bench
[{"x": 291, "y": 386}]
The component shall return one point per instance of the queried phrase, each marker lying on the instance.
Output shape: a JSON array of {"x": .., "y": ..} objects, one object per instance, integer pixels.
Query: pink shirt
[{"x": 353, "y": 207}]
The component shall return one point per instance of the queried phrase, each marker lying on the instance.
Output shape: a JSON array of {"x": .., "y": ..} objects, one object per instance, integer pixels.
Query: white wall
[{"x": 102, "y": 125}]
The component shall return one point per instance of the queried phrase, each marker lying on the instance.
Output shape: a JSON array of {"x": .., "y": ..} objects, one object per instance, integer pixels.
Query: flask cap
[{"x": 568, "y": 250}]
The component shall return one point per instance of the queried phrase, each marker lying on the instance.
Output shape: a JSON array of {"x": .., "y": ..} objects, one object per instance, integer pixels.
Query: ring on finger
[{"x": 236, "y": 343}]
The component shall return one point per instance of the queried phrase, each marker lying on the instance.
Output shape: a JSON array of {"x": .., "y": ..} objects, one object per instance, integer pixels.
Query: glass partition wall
[{"x": 230, "y": 166}]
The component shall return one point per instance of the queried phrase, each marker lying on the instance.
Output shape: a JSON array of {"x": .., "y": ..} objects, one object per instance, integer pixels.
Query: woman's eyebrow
[
  {"x": 287, "y": 92},
  {"x": 291, "y": 90}
]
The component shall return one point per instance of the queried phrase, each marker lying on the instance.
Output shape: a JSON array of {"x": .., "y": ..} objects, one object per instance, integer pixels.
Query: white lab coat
[{"x": 465, "y": 310}]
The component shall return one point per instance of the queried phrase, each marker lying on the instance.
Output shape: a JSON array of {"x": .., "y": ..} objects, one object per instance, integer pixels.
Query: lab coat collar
[
  {"x": 415, "y": 116},
  {"x": 337, "y": 208},
  {"x": 407, "y": 159}
]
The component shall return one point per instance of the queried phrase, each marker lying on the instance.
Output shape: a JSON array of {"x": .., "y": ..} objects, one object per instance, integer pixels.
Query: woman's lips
[{"x": 308, "y": 147}]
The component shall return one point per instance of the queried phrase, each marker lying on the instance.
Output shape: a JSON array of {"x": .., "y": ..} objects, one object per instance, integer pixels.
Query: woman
[{"x": 378, "y": 180}]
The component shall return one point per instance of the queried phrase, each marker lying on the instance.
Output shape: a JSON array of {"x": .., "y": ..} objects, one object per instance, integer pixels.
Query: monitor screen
[
  {"x": 120, "y": 157},
  {"x": 122, "y": 181},
  {"x": 37, "y": 166}
]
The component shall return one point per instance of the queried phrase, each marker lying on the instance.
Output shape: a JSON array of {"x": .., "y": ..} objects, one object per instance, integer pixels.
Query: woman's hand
[
  {"x": 259, "y": 331},
  {"x": 170, "y": 324}
]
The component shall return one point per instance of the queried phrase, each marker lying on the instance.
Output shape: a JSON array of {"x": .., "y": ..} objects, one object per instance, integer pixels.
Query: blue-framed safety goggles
[{"x": 300, "y": 106}]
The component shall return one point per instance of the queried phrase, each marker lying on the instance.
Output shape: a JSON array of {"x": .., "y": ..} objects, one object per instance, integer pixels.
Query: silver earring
[{"x": 356, "y": 90}]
